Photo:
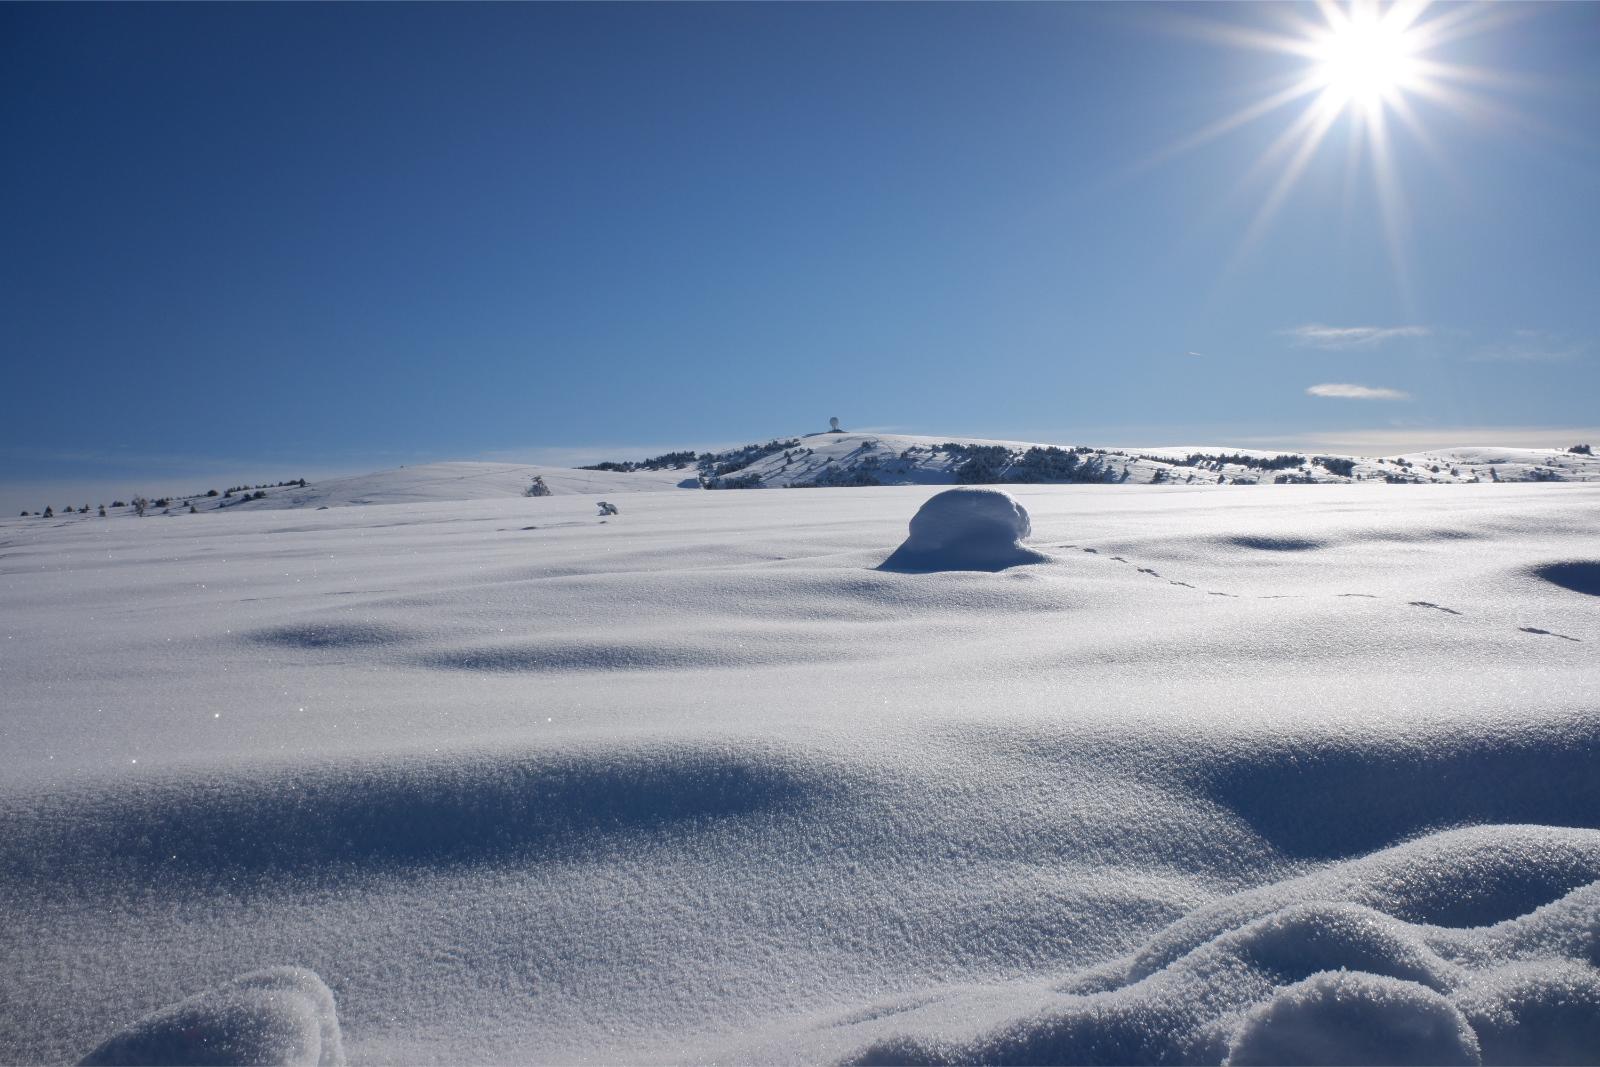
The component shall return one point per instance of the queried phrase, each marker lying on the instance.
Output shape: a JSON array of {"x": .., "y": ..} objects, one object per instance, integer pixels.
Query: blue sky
[{"x": 266, "y": 241}]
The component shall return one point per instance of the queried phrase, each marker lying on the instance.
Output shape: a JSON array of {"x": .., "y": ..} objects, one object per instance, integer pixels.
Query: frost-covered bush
[
  {"x": 1238, "y": 459},
  {"x": 835, "y": 477},
  {"x": 1344, "y": 468},
  {"x": 717, "y": 464},
  {"x": 537, "y": 487},
  {"x": 978, "y": 464},
  {"x": 1049, "y": 464},
  {"x": 743, "y": 481}
]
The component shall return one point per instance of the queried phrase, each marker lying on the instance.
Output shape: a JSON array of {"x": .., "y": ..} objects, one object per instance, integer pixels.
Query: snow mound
[
  {"x": 1339, "y": 1017},
  {"x": 282, "y": 1015},
  {"x": 1322, "y": 968},
  {"x": 966, "y": 529},
  {"x": 1537, "y": 1013}
]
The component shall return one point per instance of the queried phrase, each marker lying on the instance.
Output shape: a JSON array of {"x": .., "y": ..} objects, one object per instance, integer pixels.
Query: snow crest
[{"x": 1322, "y": 969}]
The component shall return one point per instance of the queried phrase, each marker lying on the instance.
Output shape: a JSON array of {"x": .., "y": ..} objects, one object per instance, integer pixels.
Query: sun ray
[
  {"x": 1391, "y": 203},
  {"x": 1368, "y": 64},
  {"x": 1300, "y": 87},
  {"x": 1311, "y": 128}
]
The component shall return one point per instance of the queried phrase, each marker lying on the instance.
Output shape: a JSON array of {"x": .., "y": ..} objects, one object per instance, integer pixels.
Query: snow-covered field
[{"x": 1224, "y": 771}]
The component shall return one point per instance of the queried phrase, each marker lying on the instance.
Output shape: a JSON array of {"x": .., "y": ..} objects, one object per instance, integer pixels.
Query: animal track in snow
[
  {"x": 1547, "y": 633},
  {"x": 1364, "y": 596}
]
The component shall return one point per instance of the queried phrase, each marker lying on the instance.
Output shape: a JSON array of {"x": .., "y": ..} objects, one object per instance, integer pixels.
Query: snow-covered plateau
[{"x": 1178, "y": 773}]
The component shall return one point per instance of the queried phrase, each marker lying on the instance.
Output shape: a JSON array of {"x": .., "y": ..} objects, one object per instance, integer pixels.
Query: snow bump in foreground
[{"x": 280, "y": 1016}]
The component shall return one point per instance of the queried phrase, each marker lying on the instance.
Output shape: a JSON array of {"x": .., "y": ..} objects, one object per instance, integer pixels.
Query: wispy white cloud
[
  {"x": 1316, "y": 335},
  {"x": 1344, "y": 391}
]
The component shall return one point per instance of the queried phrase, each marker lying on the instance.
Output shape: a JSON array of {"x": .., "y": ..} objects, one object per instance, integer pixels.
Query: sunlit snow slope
[
  {"x": 460, "y": 481},
  {"x": 847, "y": 459},
  {"x": 1208, "y": 773}
]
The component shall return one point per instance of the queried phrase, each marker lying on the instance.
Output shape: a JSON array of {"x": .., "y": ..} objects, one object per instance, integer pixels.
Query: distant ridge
[{"x": 842, "y": 459}]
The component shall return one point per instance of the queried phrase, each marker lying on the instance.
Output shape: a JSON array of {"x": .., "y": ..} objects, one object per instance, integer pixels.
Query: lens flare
[{"x": 1364, "y": 66}]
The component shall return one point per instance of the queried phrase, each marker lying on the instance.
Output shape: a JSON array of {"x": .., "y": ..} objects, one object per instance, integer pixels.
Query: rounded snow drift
[
  {"x": 1350, "y": 1017},
  {"x": 966, "y": 529},
  {"x": 282, "y": 1015}
]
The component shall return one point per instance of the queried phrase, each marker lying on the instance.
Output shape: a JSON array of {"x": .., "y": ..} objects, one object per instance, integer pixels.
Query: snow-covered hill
[{"x": 839, "y": 459}]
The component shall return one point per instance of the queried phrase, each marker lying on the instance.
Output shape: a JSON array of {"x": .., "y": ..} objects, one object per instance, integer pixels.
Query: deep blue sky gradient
[{"x": 298, "y": 238}]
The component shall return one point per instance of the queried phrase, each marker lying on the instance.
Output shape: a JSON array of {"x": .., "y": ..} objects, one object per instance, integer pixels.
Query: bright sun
[
  {"x": 1365, "y": 59},
  {"x": 1364, "y": 65}
]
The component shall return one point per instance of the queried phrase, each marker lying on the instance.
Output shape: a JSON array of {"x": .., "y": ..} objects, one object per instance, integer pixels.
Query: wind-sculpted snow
[
  {"x": 331, "y": 824},
  {"x": 1354, "y": 796},
  {"x": 1338, "y": 1018},
  {"x": 275, "y": 1016},
  {"x": 1325, "y": 969},
  {"x": 1217, "y": 774},
  {"x": 966, "y": 530}
]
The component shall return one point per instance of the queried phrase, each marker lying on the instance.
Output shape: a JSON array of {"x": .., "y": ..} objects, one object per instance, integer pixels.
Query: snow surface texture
[
  {"x": 276, "y": 1016},
  {"x": 701, "y": 782},
  {"x": 966, "y": 529}
]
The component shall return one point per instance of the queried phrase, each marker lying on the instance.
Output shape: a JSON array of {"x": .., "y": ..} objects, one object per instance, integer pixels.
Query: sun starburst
[{"x": 1365, "y": 64}]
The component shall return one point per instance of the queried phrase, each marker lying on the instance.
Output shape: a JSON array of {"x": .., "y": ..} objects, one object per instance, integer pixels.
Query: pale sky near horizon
[{"x": 265, "y": 241}]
